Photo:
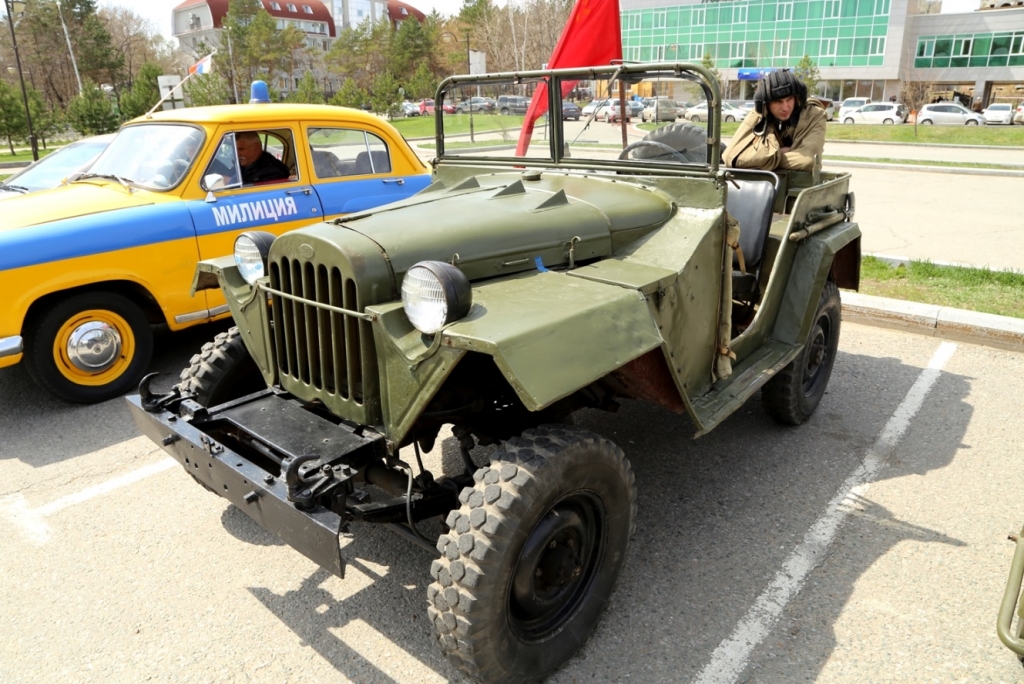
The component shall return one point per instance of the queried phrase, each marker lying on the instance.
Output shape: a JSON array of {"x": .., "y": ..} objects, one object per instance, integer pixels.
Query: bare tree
[{"x": 914, "y": 91}]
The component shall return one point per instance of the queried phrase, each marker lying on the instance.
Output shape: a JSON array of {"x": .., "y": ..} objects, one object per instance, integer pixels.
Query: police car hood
[{"x": 78, "y": 199}]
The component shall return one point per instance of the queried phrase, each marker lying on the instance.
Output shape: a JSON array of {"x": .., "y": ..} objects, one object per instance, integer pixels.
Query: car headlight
[
  {"x": 251, "y": 250},
  {"x": 434, "y": 294}
]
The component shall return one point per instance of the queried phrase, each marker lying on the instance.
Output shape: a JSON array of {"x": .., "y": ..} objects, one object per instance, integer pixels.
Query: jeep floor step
[{"x": 748, "y": 376}]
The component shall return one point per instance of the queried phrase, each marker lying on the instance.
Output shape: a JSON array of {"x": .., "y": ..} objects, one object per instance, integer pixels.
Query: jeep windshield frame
[{"x": 552, "y": 145}]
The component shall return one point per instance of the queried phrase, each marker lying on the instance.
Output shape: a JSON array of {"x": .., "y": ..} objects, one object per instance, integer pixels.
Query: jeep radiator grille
[{"x": 324, "y": 350}]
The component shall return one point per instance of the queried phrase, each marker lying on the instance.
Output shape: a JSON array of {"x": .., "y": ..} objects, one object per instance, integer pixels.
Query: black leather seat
[
  {"x": 751, "y": 204},
  {"x": 381, "y": 162}
]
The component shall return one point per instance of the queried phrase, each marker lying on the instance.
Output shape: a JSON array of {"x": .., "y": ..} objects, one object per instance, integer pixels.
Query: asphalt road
[{"x": 118, "y": 569}]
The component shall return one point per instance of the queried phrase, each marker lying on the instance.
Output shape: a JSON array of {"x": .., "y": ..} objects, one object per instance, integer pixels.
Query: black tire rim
[
  {"x": 817, "y": 354},
  {"x": 557, "y": 567}
]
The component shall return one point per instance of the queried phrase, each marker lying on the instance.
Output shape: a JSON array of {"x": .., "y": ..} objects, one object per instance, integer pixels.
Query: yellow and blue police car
[{"x": 89, "y": 267}]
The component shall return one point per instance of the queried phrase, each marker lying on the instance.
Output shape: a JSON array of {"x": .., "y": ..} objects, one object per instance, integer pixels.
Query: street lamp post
[
  {"x": 448, "y": 38},
  {"x": 10, "y": 6}
]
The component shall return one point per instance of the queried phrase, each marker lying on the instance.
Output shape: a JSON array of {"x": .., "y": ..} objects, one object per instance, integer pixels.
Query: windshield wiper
[
  {"x": 16, "y": 188},
  {"x": 109, "y": 176}
]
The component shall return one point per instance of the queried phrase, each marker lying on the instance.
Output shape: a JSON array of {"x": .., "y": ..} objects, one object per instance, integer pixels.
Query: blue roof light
[{"x": 259, "y": 93}]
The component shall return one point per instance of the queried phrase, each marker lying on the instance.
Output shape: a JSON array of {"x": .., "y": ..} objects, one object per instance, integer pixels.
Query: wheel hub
[{"x": 93, "y": 347}]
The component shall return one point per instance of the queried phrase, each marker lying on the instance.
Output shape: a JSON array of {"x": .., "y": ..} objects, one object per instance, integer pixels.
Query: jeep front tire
[
  {"x": 532, "y": 556},
  {"x": 221, "y": 371}
]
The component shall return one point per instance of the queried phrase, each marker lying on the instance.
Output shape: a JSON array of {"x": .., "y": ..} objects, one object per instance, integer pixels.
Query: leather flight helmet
[{"x": 776, "y": 86}]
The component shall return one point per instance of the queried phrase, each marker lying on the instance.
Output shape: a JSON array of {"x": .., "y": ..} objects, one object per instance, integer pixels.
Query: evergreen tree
[
  {"x": 384, "y": 94},
  {"x": 350, "y": 95},
  {"x": 308, "y": 91},
  {"x": 12, "y": 114},
  {"x": 807, "y": 71},
  {"x": 144, "y": 94},
  {"x": 91, "y": 112},
  {"x": 708, "y": 62},
  {"x": 423, "y": 83},
  {"x": 410, "y": 48}
]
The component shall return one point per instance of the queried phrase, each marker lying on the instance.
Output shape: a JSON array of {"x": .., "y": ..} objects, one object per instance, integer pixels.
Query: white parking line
[
  {"x": 30, "y": 520},
  {"x": 731, "y": 657}
]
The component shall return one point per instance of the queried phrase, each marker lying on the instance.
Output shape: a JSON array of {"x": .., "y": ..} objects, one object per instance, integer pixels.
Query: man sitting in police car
[{"x": 257, "y": 164}]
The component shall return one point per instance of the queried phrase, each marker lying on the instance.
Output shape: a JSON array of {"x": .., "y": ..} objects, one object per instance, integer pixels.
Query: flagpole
[{"x": 149, "y": 114}]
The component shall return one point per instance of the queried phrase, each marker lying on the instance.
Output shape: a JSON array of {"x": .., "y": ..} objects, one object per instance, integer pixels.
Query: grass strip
[{"x": 961, "y": 287}]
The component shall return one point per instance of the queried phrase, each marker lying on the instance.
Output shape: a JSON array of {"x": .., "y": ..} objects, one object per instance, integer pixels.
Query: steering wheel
[{"x": 654, "y": 143}]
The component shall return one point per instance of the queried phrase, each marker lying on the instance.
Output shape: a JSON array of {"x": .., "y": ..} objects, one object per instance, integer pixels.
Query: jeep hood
[
  {"x": 501, "y": 223},
  {"x": 79, "y": 199}
]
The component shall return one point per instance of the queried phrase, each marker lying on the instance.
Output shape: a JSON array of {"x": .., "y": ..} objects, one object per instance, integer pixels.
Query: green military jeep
[{"x": 511, "y": 292}]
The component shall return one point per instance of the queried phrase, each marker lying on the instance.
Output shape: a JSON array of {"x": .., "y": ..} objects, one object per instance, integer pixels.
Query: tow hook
[{"x": 305, "y": 485}]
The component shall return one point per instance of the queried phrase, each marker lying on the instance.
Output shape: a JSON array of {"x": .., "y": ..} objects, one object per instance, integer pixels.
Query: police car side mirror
[{"x": 214, "y": 181}]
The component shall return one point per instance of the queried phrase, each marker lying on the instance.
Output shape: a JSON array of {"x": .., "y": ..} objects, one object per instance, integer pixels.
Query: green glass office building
[{"x": 863, "y": 48}]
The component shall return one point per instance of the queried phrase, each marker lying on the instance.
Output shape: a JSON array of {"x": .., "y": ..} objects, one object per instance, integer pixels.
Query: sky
[{"x": 159, "y": 11}]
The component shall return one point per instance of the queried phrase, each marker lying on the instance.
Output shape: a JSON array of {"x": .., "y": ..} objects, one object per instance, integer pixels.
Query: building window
[
  {"x": 785, "y": 12},
  {"x": 291, "y": 7},
  {"x": 739, "y": 14},
  {"x": 659, "y": 53},
  {"x": 698, "y": 16},
  {"x": 831, "y": 9},
  {"x": 877, "y": 46},
  {"x": 962, "y": 47},
  {"x": 632, "y": 54},
  {"x": 307, "y": 9},
  {"x": 828, "y": 47},
  {"x": 696, "y": 52},
  {"x": 925, "y": 47},
  {"x": 660, "y": 20},
  {"x": 881, "y": 7},
  {"x": 275, "y": 6},
  {"x": 1017, "y": 47},
  {"x": 782, "y": 48},
  {"x": 737, "y": 50}
]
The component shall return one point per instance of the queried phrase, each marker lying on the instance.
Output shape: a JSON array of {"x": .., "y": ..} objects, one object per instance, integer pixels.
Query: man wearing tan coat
[{"x": 784, "y": 131}]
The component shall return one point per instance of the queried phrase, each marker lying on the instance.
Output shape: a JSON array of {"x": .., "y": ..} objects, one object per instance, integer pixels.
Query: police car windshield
[{"x": 154, "y": 156}]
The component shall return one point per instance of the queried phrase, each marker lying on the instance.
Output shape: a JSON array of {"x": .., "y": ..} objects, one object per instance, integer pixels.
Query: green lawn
[
  {"x": 423, "y": 126},
  {"x": 25, "y": 156},
  {"x": 976, "y": 289}
]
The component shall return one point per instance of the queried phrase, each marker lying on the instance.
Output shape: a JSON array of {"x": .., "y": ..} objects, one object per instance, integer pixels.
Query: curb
[
  {"x": 16, "y": 165},
  {"x": 959, "y": 325},
  {"x": 958, "y": 170}
]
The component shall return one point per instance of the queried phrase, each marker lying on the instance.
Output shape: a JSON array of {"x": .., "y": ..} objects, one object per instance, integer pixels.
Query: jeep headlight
[
  {"x": 434, "y": 294},
  {"x": 251, "y": 250}
]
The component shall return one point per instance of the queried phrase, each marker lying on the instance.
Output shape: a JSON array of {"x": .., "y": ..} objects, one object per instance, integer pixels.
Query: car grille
[{"x": 322, "y": 353}]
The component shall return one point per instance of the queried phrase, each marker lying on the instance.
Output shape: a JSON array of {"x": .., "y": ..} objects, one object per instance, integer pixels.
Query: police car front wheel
[{"x": 89, "y": 347}]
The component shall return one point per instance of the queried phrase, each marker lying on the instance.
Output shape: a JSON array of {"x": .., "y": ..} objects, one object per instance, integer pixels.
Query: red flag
[{"x": 592, "y": 37}]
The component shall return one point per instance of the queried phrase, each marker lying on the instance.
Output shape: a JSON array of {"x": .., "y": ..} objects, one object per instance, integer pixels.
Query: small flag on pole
[{"x": 203, "y": 66}]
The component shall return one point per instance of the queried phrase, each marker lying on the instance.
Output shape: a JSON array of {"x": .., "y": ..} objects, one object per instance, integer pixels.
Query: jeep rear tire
[
  {"x": 222, "y": 371},
  {"x": 88, "y": 348},
  {"x": 532, "y": 556},
  {"x": 792, "y": 395}
]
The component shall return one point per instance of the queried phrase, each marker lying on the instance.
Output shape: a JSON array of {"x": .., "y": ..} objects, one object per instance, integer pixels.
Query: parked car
[
  {"x": 612, "y": 110},
  {"x": 660, "y": 110},
  {"x": 591, "y": 107},
  {"x": 410, "y": 109},
  {"x": 448, "y": 108},
  {"x": 1018, "y": 117},
  {"x": 52, "y": 169},
  {"x": 512, "y": 104},
  {"x": 89, "y": 267},
  {"x": 878, "y": 113},
  {"x": 828, "y": 105},
  {"x": 589, "y": 283},
  {"x": 948, "y": 114},
  {"x": 426, "y": 107},
  {"x": 571, "y": 110},
  {"x": 699, "y": 112},
  {"x": 999, "y": 113},
  {"x": 850, "y": 104},
  {"x": 483, "y": 105},
  {"x": 636, "y": 107}
]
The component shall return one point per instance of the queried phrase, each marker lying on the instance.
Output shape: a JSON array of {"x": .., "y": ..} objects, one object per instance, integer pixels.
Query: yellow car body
[{"x": 83, "y": 264}]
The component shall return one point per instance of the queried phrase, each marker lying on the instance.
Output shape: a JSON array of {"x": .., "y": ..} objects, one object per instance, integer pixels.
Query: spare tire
[{"x": 688, "y": 139}]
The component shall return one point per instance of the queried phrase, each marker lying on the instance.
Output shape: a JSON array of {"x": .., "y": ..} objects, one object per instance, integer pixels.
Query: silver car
[
  {"x": 699, "y": 112},
  {"x": 948, "y": 114},
  {"x": 878, "y": 113}
]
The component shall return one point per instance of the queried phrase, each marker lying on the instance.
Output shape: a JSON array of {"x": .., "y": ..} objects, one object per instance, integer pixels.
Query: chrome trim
[
  {"x": 9, "y": 346},
  {"x": 218, "y": 310},
  {"x": 194, "y": 316}
]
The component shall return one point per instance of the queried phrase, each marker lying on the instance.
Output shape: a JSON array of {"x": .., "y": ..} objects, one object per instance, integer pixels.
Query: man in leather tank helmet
[{"x": 785, "y": 130}]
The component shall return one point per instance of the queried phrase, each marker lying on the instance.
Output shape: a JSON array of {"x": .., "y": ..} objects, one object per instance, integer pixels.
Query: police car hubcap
[{"x": 94, "y": 346}]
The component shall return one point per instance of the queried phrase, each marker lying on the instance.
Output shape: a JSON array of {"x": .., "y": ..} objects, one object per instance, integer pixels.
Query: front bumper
[
  {"x": 259, "y": 493},
  {"x": 11, "y": 349}
]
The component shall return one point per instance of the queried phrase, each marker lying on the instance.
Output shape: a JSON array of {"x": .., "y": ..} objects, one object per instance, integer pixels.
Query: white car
[
  {"x": 699, "y": 112},
  {"x": 592, "y": 107},
  {"x": 611, "y": 111},
  {"x": 850, "y": 104},
  {"x": 948, "y": 114},
  {"x": 878, "y": 113},
  {"x": 999, "y": 113}
]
